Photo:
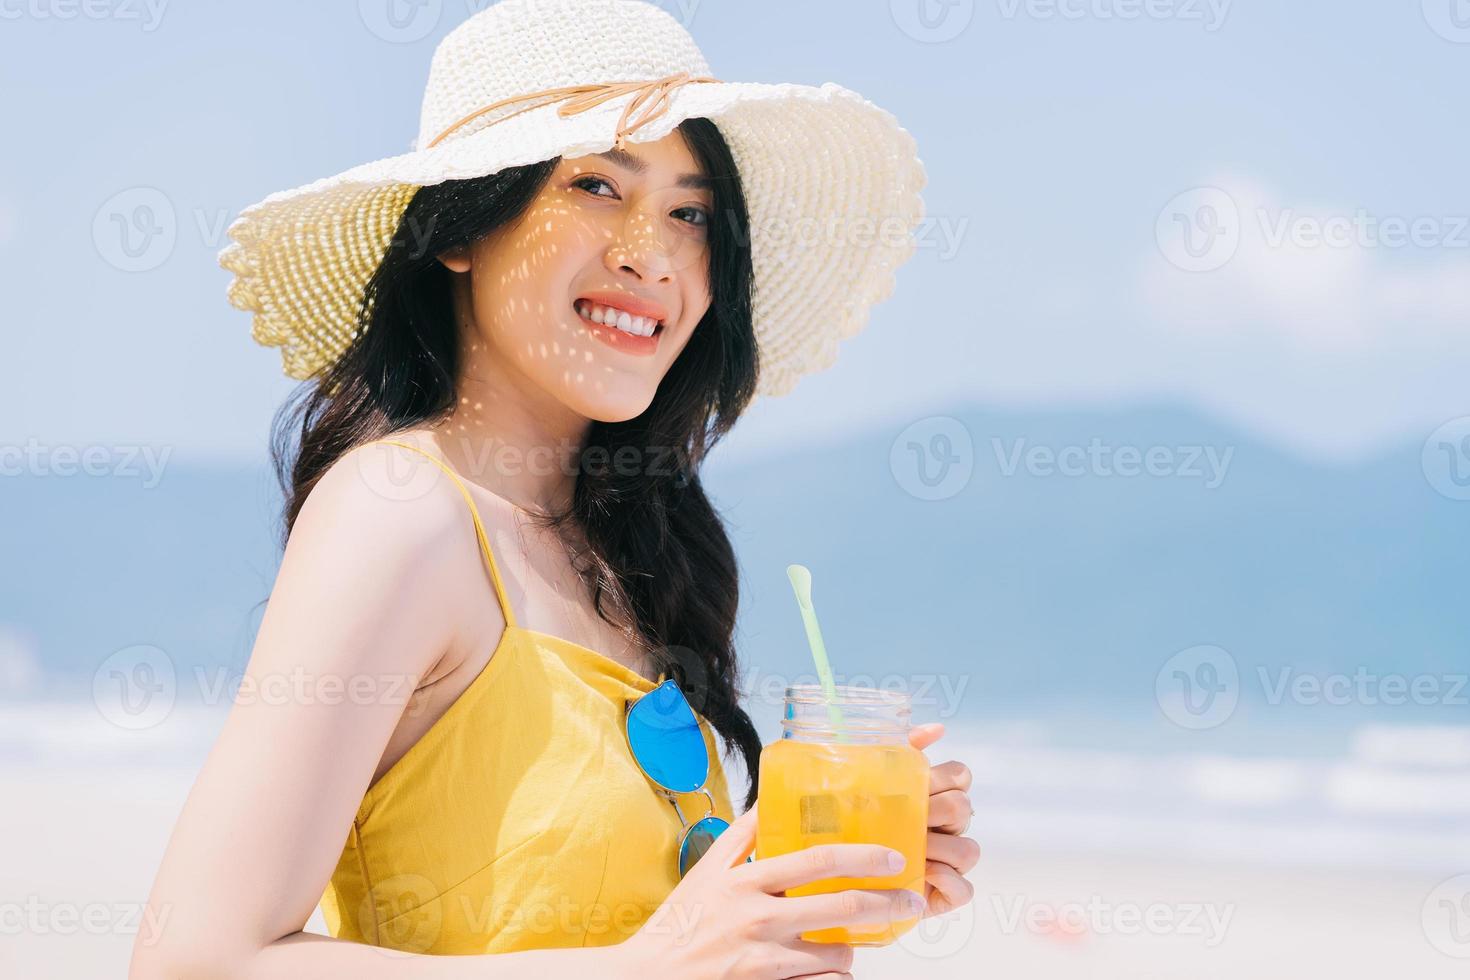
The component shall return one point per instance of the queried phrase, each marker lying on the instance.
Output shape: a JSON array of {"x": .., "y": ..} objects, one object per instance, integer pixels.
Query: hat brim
[{"x": 831, "y": 181}]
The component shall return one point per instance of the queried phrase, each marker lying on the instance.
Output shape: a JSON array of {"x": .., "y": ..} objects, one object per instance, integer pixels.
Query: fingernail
[
  {"x": 896, "y": 860},
  {"x": 915, "y": 903}
]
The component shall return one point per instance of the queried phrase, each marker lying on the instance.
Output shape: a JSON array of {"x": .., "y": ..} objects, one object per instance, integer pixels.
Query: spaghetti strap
[{"x": 510, "y": 619}]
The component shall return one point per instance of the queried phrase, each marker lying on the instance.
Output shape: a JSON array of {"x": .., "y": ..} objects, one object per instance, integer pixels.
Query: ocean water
[{"x": 1384, "y": 796}]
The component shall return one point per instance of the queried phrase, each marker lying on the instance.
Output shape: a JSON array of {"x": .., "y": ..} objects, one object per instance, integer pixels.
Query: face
[{"x": 592, "y": 294}]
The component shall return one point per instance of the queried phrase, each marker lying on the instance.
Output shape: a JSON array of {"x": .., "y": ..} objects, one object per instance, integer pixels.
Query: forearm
[{"x": 306, "y": 956}]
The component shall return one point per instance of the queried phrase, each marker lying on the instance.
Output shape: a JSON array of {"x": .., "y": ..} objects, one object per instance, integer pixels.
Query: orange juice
[{"x": 872, "y": 789}]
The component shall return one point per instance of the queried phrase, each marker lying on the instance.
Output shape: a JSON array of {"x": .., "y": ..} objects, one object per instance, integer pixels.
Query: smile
[
  {"x": 636, "y": 335},
  {"x": 618, "y": 319}
]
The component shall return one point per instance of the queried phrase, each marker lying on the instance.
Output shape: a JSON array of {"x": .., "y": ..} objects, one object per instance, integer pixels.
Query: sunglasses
[{"x": 668, "y": 745}]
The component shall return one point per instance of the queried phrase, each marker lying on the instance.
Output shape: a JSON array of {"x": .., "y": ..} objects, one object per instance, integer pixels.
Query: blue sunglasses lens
[
  {"x": 699, "y": 839},
  {"x": 667, "y": 741}
]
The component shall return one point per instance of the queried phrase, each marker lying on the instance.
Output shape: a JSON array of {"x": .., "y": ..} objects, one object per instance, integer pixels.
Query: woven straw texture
[{"x": 832, "y": 181}]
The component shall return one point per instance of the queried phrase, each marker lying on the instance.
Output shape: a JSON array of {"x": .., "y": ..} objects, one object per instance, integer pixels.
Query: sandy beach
[{"x": 82, "y": 844}]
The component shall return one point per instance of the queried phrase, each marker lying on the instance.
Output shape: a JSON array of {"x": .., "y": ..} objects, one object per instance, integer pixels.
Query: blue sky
[{"x": 1063, "y": 140}]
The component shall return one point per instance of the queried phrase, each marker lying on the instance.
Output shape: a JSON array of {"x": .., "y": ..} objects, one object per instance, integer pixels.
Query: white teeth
[{"x": 639, "y": 326}]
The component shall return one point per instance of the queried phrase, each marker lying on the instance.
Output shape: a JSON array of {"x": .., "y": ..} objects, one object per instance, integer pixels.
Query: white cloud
[
  {"x": 1320, "y": 278},
  {"x": 1329, "y": 327}
]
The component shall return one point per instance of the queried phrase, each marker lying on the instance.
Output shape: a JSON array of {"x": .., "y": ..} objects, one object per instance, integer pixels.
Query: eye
[
  {"x": 698, "y": 217},
  {"x": 583, "y": 183}
]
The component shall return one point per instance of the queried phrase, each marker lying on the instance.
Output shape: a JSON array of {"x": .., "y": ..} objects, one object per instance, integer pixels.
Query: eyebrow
[{"x": 638, "y": 165}]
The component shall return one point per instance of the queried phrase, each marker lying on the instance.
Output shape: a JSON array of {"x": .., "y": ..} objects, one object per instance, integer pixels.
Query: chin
[{"x": 614, "y": 406}]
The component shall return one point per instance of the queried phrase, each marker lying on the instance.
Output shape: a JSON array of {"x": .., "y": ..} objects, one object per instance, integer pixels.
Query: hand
[
  {"x": 729, "y": 920},
  {"x": 949, "y": 855}
]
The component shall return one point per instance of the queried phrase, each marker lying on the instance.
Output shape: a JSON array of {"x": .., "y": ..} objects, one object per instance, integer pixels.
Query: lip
[
  {"x": 617, "y": 339},
  {"x": 635, "y": 305}
]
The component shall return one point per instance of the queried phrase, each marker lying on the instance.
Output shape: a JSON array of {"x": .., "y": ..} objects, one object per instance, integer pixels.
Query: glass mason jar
[{"x": 857, "y": 782}]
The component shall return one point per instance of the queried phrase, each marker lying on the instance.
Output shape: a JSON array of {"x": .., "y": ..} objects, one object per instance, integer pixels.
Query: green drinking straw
[{"x": 801, "y": 581}]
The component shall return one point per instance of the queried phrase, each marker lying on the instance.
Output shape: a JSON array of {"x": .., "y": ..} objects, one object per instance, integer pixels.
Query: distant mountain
[
  {"x": 1065, "y": 594},
  {"x": 1040, "y": 592}
]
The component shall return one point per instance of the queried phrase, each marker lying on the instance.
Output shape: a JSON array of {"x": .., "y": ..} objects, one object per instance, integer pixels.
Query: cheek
[{"x": 524, "y": 276}]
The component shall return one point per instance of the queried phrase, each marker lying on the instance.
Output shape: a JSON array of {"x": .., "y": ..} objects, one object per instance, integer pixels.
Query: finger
[
  {"x": 950, "y": 811},
  {"x": 923, "y": 736},
  {"x": 960, "y": 853},
  {"x": 799, "y": 958},
  {"x": 951, "y": 889},
  {"x": 850, "y": 907},
  {"x": 949, "y": 775},
  {"x": 733, "y": 845},
  {"x": 817, "y": 863}
]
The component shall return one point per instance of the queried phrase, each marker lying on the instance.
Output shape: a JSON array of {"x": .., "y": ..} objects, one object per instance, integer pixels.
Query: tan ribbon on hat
[{"x": 653, "y": 94}]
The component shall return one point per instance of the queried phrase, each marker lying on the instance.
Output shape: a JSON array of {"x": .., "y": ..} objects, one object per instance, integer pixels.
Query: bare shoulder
[
  {"x": 387, "y": 527},
  {"x": 399, "y": 498}
]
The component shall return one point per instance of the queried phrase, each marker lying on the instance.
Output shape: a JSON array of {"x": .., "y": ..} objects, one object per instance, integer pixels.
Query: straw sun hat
[{"x": 831, "y": 181}]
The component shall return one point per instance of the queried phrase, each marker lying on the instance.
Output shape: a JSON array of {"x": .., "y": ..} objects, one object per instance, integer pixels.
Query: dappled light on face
[{"x": 595, "y": 227}]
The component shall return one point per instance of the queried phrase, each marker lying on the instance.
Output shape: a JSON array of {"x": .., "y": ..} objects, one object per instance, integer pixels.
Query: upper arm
[{"x": 358, "y": 613}]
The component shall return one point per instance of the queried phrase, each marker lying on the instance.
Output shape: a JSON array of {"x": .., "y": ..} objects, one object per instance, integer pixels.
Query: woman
[{"x": 524, "y": 339}]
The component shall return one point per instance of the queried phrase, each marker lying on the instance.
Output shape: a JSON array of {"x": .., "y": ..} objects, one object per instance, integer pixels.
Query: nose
[{"x": 638, "y": 249}]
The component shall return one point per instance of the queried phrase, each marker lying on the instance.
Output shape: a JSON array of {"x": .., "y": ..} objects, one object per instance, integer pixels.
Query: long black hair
[{"x": 657, "y": 559}]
